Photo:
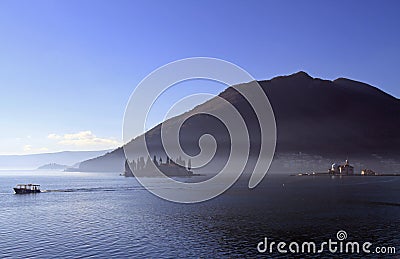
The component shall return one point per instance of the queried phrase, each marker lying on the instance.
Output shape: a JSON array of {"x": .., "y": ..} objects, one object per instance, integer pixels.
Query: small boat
[{"x": 27, "y": 188}]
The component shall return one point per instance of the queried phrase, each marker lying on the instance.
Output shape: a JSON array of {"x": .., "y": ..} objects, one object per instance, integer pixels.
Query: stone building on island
[{"x": 345, "y": 169}]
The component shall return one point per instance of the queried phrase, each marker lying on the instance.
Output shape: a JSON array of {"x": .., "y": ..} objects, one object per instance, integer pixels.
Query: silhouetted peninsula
[
  {"x": 52, "y": 166},
  {"x": 148, "y": 168}
]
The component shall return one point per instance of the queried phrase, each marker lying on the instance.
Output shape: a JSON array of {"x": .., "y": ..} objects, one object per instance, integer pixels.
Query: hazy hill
[
  {"x": 341, "y": 118},
  {"x": 34, "y": 161},
  {"x": 52, "y": 166}
]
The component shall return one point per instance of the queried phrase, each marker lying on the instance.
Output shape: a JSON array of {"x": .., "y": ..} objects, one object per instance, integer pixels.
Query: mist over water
[{"x": 106, "y": 215}]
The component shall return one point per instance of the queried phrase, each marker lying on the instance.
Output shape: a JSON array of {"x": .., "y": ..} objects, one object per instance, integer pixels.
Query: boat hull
[{"x": 25, "y": 191}]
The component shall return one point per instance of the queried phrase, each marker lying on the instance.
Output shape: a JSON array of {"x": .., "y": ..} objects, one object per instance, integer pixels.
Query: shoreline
[{"x": 347, "y": 175}]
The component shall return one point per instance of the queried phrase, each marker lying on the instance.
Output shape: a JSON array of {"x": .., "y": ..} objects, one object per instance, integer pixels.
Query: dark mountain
[
  {"x": 340, "y": 118},
  {"x": 333, "y": 117}
]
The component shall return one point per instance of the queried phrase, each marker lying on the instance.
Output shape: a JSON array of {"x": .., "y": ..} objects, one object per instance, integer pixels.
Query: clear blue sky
[{"x": 69, "y": 66}]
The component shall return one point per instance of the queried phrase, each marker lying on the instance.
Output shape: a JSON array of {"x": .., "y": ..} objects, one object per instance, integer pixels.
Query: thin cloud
[{"x": 84, "y": 139}]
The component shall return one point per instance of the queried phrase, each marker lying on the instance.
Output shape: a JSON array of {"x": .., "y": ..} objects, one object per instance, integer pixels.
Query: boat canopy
[{"x": 28, "y": 186}]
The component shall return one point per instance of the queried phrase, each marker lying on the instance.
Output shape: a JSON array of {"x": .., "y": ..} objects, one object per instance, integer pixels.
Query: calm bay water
[{"x": 106, "y": 215}]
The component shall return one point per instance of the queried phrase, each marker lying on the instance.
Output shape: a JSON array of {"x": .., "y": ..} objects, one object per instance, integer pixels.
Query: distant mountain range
[
  {"x": 340, "y": 118},
  {"x": 70, "y": 158}
]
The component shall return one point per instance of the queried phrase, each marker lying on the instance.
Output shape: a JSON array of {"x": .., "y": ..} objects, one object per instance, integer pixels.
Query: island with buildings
[
  {"x": 150, "y": 167},
  {"x": 346, "y": 169}
]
